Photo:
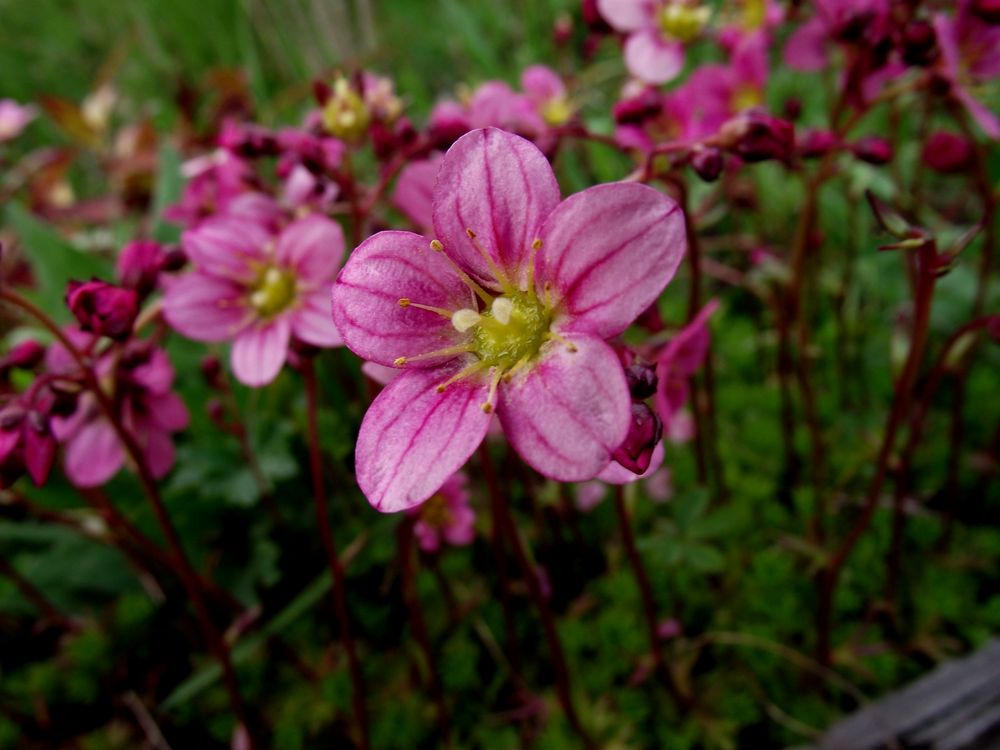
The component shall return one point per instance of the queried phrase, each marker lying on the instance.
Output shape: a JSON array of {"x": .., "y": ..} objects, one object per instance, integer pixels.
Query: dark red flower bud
[
  {"x": 24, "y": 356},
  {"x": 592, "y": 17},
  {"x": 641, "y": 379},
  {"x": 755, "y": 136},
  {"x": 873, "y": 149},
  {"x": 988, "y": 10},
  {"x": 707, "y": 163},
  {"x": 39, "y": 447},
  {"x": 247, "y": 140},
  {"x": 643, "y": 436},
  {"x": 637, "y": 109},
  {"x": 562, "y": 30},
  {"x": 814, "y": 143},
  {"x": 174, "y": 258},
  {"x": 792, "y": 108},
  {"x": 322, "y": 92},
  {"x": 211, "y": 371},
  {"x": 11, "y": 420},
  {"x": 918, "y": 44},
  {"x": 103, "y": 308},
  {"x": 947, "y": 152},
  {"x": 139, "y": 265}
]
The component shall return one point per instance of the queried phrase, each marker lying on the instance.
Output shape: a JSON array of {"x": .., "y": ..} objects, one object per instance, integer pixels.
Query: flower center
[
  {"x": 557, "y": 111},
  {"x": 344, "y": 113},
  {"x": 511, "y": 330},
  {"x": 683, "y": 22},
  {"x": 273, "y": 292}
]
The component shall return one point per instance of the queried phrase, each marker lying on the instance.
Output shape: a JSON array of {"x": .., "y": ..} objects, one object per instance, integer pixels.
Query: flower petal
[
  {"x": 568, "y": 412},
  {"x": 652, "y": 59},
  {"x": 205, "y": 308},
  {"x": 413, "y": 438},
  {"x": 259, "y": 352},
  {"x": 414, "y": 191},
  {"x": 806, "y": 47},
  {"x": 312, "y": 322},
  {"x": 225, "y": 246},
  {"x": 384, "y": 269},
  {"x": 501, "y": 187},
  {"x": 166, "y": 412},
  {"x": 93, "y": 455},
  {"x": 626, "y": 15},
  {"x": 313, "y": 247},
  {"x": 158, "y": 448},
  {"x": 609, "y": 251}
]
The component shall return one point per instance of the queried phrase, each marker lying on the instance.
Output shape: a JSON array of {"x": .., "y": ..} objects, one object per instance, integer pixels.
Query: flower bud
[
  {"x": 873, "y": 149},
  {"x": 139, "y": 265},
  {"x": 39, "y": 447},
  {"x": 102, "y": 308},
  {"x": 174, "y": 258},
  {"x": 815, "y": 142},
  {"x": 755, "y": 136},
  {"x": 643, "y": 436},
  {"x": 947, "y": 152},
  {"x": 641, "y": 379},
  {"x": 918, "y": 44},
  {"x": 211, "y": 371},
  {"x": 11, "y": 419},
  {"x": 988, "y": 10},
  {"x": 707, "y": 163},
  {"x": 247, "y": 140},
  {"x": 635, "y": 110},
  {"x": 23, "y": 356}
]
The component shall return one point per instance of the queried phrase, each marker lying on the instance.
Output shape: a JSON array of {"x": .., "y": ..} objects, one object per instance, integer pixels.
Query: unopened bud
[
  {"x": 635, "y": 110},
  {"x": 23, "y": 356},
  {"x": 139, "y": 265},
  {"x": 988, "y": 10},
  {"x": 947, "y": 152},
  {"x": 102, "y": 308},
  {"x": 707, "y": 163},
  {"x": 873, "y": 149},
  {"x": 816, "y": 142},
  {"x": 641, "y": 379},
  {"x": 918, "y": 44},
  {"x": 644, "y": 434},
  {"x": 755, "y": 136},
  {"x": 211, "y": 371}
]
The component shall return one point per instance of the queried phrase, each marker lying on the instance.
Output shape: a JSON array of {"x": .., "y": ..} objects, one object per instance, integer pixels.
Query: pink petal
[
  {"x": 569, "y": 411},
  {"x": 312, "y": 321},
  {"x": 806, "y": 47},
  {"x": 159, "y": 452},
  {"x": 651, "y": 58},
  {"x": 226, "y": 246},
  {"x": 414, "y": 190},
  {"x": 541, "y": 83},
  {"x": 609, "y": 251},
  {"x": 427, "y": 536},
  {"x": 313, "y": 247},
  {"x": 380, "y": 373},
  {"x": 984, "y": 117},
  {"x": 167, "y": 412},
  {"x": 259, "y": 352},
  {"x": 413, "y": 438},
  {"x": 94, "y": 455},
  {"x": 462, "y": 529},
  {"x": 615, "y": 473},
  {"x": 686, "y": 351},
  {"x": 627, "y": 15},
  {"x": 501, "y": 187},
  {"x": 205, "y": 308},
  {"x": 384, "y": 269},
  {"x": 156, "y": 374}
]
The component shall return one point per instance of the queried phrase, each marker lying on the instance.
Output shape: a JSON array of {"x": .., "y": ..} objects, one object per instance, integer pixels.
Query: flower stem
[
  {"x": 308, "y": 371},
  {"x": 181, "y": 563},
  {"x": 559, "y": 666}
]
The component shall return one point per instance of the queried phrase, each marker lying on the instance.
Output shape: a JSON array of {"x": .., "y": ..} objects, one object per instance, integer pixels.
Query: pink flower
[
  {"x": 507, "y": 311},
  {"x": 14, "y": 118},
  {"x": 863, "y": 22},
  {"x": 138, "y": 380},
  {"x": 970, "y": 58},
  {"x": 414, "y": 190},
  {"x": 258, "y": 288},
  {"x": 215, "y": 180},
  {"x": 446, "y": 516},
  {"x": 657, "y": 32},
  {"x": 679, "y": 360}
]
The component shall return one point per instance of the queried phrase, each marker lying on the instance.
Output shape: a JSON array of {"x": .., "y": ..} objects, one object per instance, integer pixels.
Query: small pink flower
[
  {"x": 446, "y": 516},
  {"x": 139, "y": 382},
  {"x": 657, "y": 32},
  {"x": 214, "y": 180},
  {"x": 415, "y": 188},
  {"x": 258, "y": 288},
  {"x": 679, "y": 360},
  {"x": 14, "y": 118},
  {"x": 507, "y": 311},
  {"x": 970, "y": 59}
]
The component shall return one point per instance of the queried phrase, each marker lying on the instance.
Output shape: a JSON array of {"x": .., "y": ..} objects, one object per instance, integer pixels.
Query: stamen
[
  {"x": 464, "y": 319},
  {"x": 494, "y": 382},
  {"x": 502, "y": 309},
  {"x": 448, "y": 351},
  {"x": 463, "y": 373},
  {"x": 570, "y": 346},
  {"x": 508, "y": 376},
  {"x": 547, "y": 291},
  {"x": 437, "y": 247},
  {"x": 406, "y": 302},
  {"x": 494, "y": 268},
  {"x": 535, "y": 247}
]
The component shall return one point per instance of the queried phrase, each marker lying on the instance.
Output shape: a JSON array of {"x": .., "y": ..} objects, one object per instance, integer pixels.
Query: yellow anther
[
  {"x": 502, "y": 309},
  {"x": 464, "y": 319},
  {"x": 399, "y": 361},
  {"x": 437, "y": 247},
  {"x": 499, "y": 275},
  {"x": 404, "y": 302}
]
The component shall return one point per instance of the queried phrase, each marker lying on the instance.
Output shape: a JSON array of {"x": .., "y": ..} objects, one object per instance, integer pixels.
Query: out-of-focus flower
[
  {"x": 657, "y": 32},
  {"x": 861, "y": 22},
  {"x": 415, "y": 188},
  {"x": 103, "y": 309},
  {"x": 257, "y": 288},
  {"x": 214, "y": 181},
  {"x": 344, "y": 113},
  {"x": 138, "y": 381},
  {"x": 14, "y": 118},
  {"x": 547, "y": 92},
  {"x": 872, "y": 149},
  {"x": 24, "y": 356},
  {"x": 678, "y": 361},
  {"x": 756, "y": 136},
  {"x": 947, "y": 152},
  {"x": 507, "y": 312},
  {"x": 446, "y": 517},
  {"x": 970, "y": 59},
  {"x": 139, "y": 265}
]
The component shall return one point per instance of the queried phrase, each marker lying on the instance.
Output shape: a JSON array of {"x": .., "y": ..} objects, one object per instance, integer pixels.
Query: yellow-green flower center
[
  {"x": 557, "y": 111},
  {"x": 345, "y": 114},
  {"x": 273, "y": 292},
  {"x": 683, "y": 22},
  {"x": 512, "y": 330}
]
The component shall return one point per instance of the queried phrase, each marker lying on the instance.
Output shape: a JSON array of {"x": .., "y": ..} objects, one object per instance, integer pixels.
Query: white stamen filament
[{"x": 465, "y": 318}]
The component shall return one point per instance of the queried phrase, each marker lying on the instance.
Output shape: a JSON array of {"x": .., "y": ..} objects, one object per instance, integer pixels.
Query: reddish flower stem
[
  {"x": 559, "y": 666},
  {"x": 180, "y": 561},
  {"x": 358, "y": 694},
  {"x": 404, "y": 539},
  {"x": 648, "y": 603}
]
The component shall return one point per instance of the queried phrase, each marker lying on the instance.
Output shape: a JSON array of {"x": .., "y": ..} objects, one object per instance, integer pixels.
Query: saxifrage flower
[{"x": 508, "y": 311}]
